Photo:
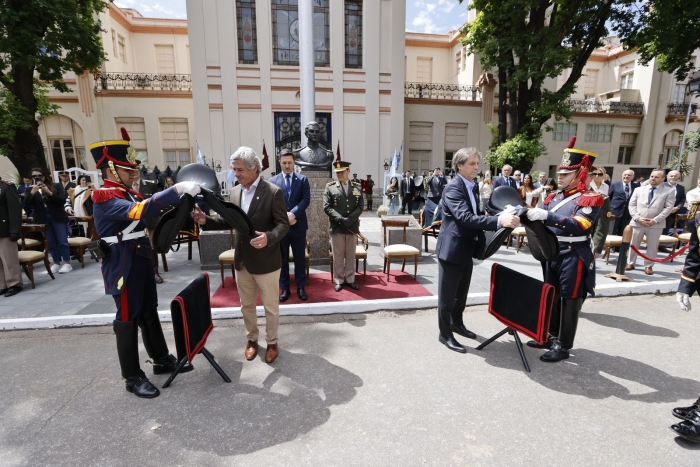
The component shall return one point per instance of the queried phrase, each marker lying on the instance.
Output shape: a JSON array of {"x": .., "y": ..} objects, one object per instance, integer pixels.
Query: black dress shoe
[
  {"x": 302, "y": 294},
  {"x": 3, "y": 291},
  {"x": 284, "y": 296},
  {"x": 692, "y": 413},
  {"x": 452, "y": 344},
  {"x": 14, "y": 290},
  {"x": 536, "y": 345},
  {"x": 141, "y": 387},
  {"x": 338, "y": 287},
  {"x": 354, "y": 286},
  {"x": 556, "y": 354},
  {"x": 462, "y": 331},
  {"x": 168, "y": 365},
  {"x": 687, "y": 430}
]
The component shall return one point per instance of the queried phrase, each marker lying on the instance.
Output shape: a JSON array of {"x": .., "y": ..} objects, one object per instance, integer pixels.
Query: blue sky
[{"x": 430, "y": 16}]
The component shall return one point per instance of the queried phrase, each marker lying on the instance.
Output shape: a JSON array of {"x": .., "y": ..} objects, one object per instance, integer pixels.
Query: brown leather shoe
[
  {"x": 251, "y": 350},
  {"x": 648, "y": 271},
  {"x": 271, "y": 353},
  {"x": 629, "y": 267}
]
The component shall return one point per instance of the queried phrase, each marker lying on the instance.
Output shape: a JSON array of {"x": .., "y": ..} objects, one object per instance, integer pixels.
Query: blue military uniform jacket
[
  {"x": 575, "y": 219},
  {"x": 115, "y": 208},
  {"x": 690, "y": 282}
]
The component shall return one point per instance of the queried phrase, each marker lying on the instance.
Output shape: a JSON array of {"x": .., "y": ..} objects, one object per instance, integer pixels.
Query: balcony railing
[
  {"x": 681, "y": 109},
  {"x": 142, "y": 82},
  {"x": 615, "y": 107},
  {"x": 445, "y": 92}
]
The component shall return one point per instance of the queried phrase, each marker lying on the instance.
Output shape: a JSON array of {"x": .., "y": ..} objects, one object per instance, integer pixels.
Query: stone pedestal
[
  {"x": 211, "y": 244},
  {"x": 318, "y": 220}
]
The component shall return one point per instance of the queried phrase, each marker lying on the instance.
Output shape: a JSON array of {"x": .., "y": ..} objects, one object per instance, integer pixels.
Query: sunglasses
[{"x": 597, "y": 174}]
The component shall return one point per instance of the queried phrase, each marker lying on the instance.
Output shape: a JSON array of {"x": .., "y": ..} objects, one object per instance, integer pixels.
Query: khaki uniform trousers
[
  {"x": 268, "y": 284},
  {"x": 653, "y": 234},
  {"x": 343, "y": 258},
  {"x": 10, "y": 272}
]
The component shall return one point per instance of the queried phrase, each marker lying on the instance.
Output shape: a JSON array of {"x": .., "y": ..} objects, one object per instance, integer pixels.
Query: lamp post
[{"x": 693, "y": 89}]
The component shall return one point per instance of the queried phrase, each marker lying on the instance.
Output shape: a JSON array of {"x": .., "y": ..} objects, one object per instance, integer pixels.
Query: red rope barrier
[{"x": 668, "y": 258}]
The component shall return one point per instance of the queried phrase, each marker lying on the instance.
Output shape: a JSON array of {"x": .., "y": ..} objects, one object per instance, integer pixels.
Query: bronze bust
[{"x": 313, "y": 156}]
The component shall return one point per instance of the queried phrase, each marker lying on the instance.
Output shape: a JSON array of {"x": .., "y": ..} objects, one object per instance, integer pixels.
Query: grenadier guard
[
  {"x": 343, "y": 204},
  {"x": 571, "y": 214},
  {"x": 367, "y": 189},
  {"x": 120, "y": 214}
]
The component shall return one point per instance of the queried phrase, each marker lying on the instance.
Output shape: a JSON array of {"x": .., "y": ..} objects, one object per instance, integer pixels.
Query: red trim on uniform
[
  {"x": 124, "y": 297},
  {"x": 591, "y": 198},
  {"x": 579, "y": 275}
]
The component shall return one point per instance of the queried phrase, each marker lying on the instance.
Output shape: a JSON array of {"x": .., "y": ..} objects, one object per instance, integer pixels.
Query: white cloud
[
  {"x": 430, "y": 7},
  {"x": 425, "y": 22},
  {"x": 447, "y": 5}
]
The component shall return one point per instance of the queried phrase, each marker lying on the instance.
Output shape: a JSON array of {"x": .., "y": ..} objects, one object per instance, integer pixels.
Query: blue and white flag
[
  {"x": 200, "y": 157},
  {"x": 394, "y": 165},
  {"x": 231, "y": 175},
  {"x": 398, "y": 159}
]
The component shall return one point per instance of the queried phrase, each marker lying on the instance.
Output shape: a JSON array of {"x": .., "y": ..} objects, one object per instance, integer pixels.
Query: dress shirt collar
[{"x": 253, "y": 186}]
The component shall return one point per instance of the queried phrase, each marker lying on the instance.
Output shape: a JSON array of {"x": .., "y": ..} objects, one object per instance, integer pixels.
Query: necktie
[
  {"x": 627, "y": 191},
  {"x": 289, "y": 185},
  {"x": 475, "y": 202},
  {"x": 651, "y": 194}
]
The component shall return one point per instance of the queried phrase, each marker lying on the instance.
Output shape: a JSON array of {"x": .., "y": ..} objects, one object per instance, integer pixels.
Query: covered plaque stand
[
  {"x": 522, "y": 303},
  {"x": 191, "y": 313}
]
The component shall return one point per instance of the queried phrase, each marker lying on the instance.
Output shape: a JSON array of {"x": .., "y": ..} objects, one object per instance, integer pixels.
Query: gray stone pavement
[
  {"x": 81, "y": 291},
  {"x": 363, "y": 390}
]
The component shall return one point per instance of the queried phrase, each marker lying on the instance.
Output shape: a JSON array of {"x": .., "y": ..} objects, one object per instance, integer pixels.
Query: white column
[{"x": 307, "y": 86}]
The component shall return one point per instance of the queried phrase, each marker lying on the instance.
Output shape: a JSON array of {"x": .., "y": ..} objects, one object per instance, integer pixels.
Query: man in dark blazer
[
  {"x": 672, "y": 180},
  {"x": 462, "y": 224},
  {"x": 505, "y": 178},
  {"x": 258, "y": 260},
  {"x": 620, "y": 193},
  {"x": 10, "y": 227},
  {"x": 407, "y": 193},
  {"x": 297, "y": 195}
]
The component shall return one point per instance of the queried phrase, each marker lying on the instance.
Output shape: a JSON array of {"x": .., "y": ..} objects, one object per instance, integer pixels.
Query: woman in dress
[
  {"x": 529, "y": 194},
  {"x": 392, "y": 192}
]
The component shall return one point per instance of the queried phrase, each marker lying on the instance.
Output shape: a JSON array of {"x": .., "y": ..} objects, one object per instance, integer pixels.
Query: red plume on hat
[
  {"x": 125, "y": 134},
  {"x": 572, "y": 142}
]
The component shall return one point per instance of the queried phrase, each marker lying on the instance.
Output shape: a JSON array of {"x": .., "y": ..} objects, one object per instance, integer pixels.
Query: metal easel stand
[{"x": 518, "y": 344}]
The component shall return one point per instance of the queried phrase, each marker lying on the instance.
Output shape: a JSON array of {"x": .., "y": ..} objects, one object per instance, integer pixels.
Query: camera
[{"x": 37, "y": 179}]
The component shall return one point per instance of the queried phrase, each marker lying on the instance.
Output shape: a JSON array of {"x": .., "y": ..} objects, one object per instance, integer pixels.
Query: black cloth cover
[
  {"x": 521, "y": 302},
  {"x": 191, "y": 313},
  {"x": 170, "y": 224},
  {"x": 542, "y": 242},
  {"x": 232, "y": 214}
]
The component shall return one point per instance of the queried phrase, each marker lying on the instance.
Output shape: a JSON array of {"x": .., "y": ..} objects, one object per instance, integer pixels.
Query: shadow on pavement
[
  {"x": 628, "y": 325},
  {"x": 582, "y": 374}
]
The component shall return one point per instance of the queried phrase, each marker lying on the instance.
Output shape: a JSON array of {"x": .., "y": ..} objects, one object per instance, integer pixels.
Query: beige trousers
[
  {"x": 653, "y": 234},
  {"x": 343, "y": 258},
  {"x": 10, "y": 272},
  {"x": 268, "y": 284}
]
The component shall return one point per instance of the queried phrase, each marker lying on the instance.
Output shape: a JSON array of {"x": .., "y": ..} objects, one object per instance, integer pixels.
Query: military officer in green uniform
[{"x": 343, "y": 204}]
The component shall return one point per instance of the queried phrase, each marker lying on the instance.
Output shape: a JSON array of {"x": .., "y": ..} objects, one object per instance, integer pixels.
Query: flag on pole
[
  {"x": 398, "y": 159},
  {"x": 265, "y": 159},
  {"x": 337, "y": 159},
  {"x": 394, "y": 165},
  {"x": 200, "y": 157}
]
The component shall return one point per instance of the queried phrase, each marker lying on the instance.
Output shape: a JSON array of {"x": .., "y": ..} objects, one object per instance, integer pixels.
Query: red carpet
[{"x": 319, "y": 288}]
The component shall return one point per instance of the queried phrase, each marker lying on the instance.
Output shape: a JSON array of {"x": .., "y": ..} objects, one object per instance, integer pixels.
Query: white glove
[
  {"x": 683, "y": 301},
  {"x": 190, "y": 188},
  {"x": 537, "y": 214}
]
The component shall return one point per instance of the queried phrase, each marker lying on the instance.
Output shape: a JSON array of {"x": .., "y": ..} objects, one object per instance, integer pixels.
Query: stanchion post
[{"x": 619, "y": 274}]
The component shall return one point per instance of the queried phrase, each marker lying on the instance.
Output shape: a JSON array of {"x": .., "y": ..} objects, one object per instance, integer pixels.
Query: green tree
[
  {"x": 530, "y": 41},
  {"x": 40, "y": 41}
]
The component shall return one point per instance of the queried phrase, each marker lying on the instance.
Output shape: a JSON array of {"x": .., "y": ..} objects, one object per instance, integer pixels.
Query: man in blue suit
[
  {"x": 462, "y": 225},
  {"x": 620, "y": 193},
  {"x": 505, "y": 179},
  {"x": 297, "y": 195}
]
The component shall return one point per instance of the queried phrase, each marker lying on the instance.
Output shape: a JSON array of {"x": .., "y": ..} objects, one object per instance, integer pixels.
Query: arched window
[
  {"x": 63, "y": 143},
  {"x": 672, "y": 143}
]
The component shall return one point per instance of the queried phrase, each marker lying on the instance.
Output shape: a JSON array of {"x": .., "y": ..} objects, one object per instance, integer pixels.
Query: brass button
[{"x": 138, "y": 246}]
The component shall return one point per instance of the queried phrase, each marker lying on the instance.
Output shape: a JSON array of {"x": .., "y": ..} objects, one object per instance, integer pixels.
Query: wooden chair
[
  {"x": 27, "y": 258},
  {"x": 399, "y": 251},
  {"x": 181, "y": 239},
  {"x": 227, "y": 257},
  {"x": 28, "y": 244},
  {"x": 611, "y": 241},
  {"x": 79, "y": 244},
  {"x": 307, "y": 257},
  {"x": 521, "y": 236},
  {"x": 360, "y": 254},
  {"x": 666, "y": 240}
]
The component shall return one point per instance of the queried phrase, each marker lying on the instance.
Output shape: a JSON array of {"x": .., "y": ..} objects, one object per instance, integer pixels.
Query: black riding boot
[
  {"x": 554, "y": 320},
  {"x": 570, "y": 309},
  {"x": 156, "y": 347},
  {"x": 128, "y": 351}
]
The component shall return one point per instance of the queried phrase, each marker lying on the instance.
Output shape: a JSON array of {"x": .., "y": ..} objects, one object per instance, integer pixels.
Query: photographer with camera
[
  {"x": 47, "y": 199},
  {"x": 392, "y": 193}
]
